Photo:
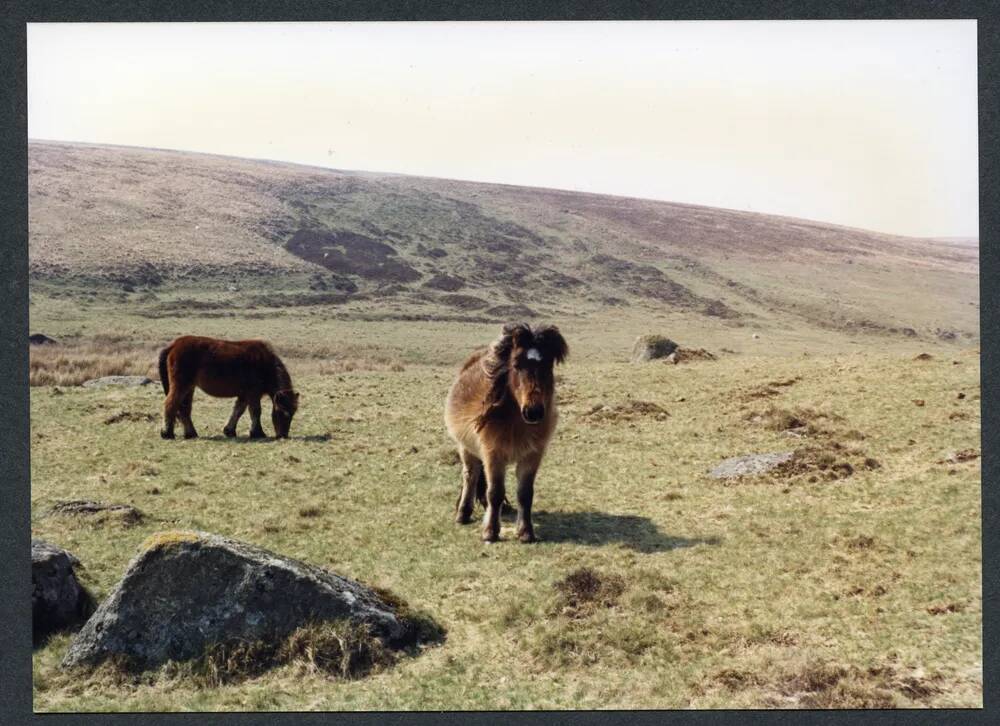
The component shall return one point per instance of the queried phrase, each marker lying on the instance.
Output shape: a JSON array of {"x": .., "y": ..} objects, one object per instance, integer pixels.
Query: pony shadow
[{"x": 600, "y": 528}]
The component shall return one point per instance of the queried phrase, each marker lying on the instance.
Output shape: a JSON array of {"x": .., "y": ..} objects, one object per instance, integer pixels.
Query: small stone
[
  {"x": 651, "y": 347},
  {"x": 751, "y": 464}
]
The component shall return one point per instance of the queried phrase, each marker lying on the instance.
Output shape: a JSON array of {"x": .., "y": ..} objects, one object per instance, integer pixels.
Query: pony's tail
[{"x": 164, "y": 378}]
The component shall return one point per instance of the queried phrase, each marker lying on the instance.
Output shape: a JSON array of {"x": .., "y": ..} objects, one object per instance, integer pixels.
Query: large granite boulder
[
  {"x": 58, "y": 601},
  {"x": 651, "y": 347},
  {"x": 188, "y": 591}
]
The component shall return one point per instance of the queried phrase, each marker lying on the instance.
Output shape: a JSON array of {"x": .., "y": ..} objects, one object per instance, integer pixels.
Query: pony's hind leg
[
  {"x": 169, "y": 416},
  {"x": 238, "y": 408},
  {"x": 256, "y": 430},
  {"x": 472, "y": 471},
  {"x": 171, "y": 408},
  {"x": 185, "y": 415}
]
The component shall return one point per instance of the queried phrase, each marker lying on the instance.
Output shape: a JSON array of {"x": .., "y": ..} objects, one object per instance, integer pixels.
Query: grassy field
[{"x": 851, "y": 579}]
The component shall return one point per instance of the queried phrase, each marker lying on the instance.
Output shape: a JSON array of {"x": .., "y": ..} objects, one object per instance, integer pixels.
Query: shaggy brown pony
[
  {"x": 501, "y": 410},
  {"x": 244, "y": 369}
]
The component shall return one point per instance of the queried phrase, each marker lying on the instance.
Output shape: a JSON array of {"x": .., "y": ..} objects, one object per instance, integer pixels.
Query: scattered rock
[
  {"x": 187, "y": 592},
  {"x": 58, "y": 601},
  {"x": 909, "y": 332},
  {"x": 755, "y": 336},
  {"x": 117, "y": 381},
  {"x": 961, "y": 395},
  {"x": 124, "y": 513},
  {"x": 751, "y": 464},
  {"x": 918, "y": 401},
  {"x": 957, "y": 457},
  {"x": 651, "y": 347},
  {"x": 40, "y": 339}
]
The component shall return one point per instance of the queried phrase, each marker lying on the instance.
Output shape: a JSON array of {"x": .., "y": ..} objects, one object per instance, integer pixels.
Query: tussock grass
[{"x": 72, "y": 364}]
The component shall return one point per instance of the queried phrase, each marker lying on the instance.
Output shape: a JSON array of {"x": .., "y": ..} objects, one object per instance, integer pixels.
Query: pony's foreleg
[
  {"x": 526, "y": 471},
  {"x": 238, "y": 408},
  {"x": 472, "y": 469},
  {"x": 185, "y": 415},
  {"x": 256, "y": 430},
  {"x": 494, "y": 498}
]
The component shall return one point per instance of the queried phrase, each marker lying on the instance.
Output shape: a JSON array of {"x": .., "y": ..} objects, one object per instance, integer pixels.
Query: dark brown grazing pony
[
  {"x": 244, "y": 369},
  {"x": 501, "y": 410}
]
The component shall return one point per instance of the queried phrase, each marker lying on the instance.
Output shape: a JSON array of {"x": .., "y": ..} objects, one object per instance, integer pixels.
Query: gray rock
[
  {"x": 57, "y": 600},
  {"x": 651, "y": 347},
  {"x": 41, "y": 339},
  {"x": 750, "y": 465},
  {"x": 185, "y": 591},
  {"x": 117, "y": 381}
]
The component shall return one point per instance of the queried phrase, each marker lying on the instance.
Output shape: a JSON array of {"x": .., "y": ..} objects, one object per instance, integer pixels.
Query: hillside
[{"x": 273, "y": 234}]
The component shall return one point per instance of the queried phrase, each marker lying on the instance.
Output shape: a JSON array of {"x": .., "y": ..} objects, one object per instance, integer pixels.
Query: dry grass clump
[
  {"x": 799, "y": 420},
  {"x": 626, "y": 411},
  {"x": 689, "y": 355},
  {"x": 340, "y": 649},
  {"x": 98, "y": 513},
  {"x": 816, "y": 683},
  {"x": 597, "y": 619},
  {"x": 829, "y": 462},
  {"x": 584, "y": 590},
  {"x": 70, "y": 364},
  {"x": 129, "y": 416}
]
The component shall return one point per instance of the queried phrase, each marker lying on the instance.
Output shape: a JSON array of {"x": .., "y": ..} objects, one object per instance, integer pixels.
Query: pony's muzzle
[{"x": 533, "y": 414}]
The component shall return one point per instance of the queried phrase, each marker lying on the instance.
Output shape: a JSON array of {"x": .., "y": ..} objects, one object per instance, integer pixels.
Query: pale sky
[{"x": 870, "y": 124}]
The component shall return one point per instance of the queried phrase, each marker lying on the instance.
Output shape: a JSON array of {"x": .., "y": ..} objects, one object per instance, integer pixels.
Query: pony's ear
[{"x": 551, "y": 341}]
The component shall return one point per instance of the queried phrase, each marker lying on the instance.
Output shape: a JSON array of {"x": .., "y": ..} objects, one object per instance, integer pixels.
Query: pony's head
[
  {"x": 519, "y": 364},
  {"x": 286, "y": 403}
]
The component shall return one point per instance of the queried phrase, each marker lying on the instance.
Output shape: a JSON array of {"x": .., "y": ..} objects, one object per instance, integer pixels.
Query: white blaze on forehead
[{"x": 533, "y": 354}]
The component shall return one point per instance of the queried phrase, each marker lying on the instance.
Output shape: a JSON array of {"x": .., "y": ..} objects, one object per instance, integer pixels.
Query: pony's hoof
[
  {"x": 527, "y": 537},
  {"x": 490, "y": 537},
  {"x": 258, "y": 435},
  {"x": 463, "y": 518},
  {"x": 164, "y": 434},
  {"x": 229, "y": 433},
  {"x": 190, "y": 434}
]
